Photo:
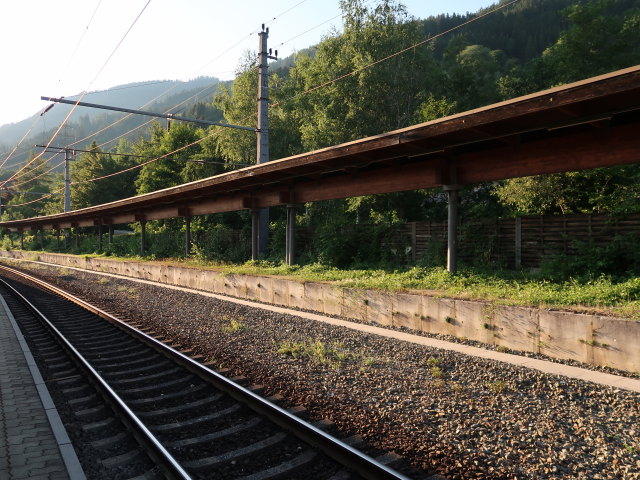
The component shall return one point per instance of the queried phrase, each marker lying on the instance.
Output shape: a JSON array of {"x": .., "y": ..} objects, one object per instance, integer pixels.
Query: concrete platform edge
[
  {"x": 544, "y": 366},
  {"x": 67, "y": 452}
]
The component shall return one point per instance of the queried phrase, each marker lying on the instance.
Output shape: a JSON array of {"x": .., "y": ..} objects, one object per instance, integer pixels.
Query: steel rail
[
  {"x": 165, "y": 460},
  {"x": 334, "y": 448}
]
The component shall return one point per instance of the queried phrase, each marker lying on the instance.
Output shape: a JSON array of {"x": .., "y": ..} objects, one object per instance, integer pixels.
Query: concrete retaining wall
[{"x": 594, "y": 339}]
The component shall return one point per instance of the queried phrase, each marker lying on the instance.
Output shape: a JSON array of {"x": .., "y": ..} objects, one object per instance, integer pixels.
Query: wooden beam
[{"x": 578, "y": 151}]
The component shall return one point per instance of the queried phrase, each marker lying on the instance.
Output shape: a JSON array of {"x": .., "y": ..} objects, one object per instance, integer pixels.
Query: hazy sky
[{"x": 57, "y": 48}]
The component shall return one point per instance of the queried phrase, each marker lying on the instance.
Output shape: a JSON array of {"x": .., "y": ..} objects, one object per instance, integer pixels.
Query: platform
[{"x": 34, "y": 444}]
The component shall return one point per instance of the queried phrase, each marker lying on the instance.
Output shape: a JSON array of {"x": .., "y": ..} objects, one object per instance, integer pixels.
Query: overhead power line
[
  {"x": 85, "y": 91},
  {"x": 372, "y": 64}
]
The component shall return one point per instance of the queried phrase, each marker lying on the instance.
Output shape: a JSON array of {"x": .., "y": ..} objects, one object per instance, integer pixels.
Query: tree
[
  {"x": 31, "y": 187},
  {"x": 167, "y": 171},
  {"x": 95, "y": 164},
  {"x": 597, "y": 41},
  {"x": 611, "y": 189},
  {"x": 355, "y": 86}
]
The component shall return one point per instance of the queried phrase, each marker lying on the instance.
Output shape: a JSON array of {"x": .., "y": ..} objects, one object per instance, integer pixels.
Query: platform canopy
[{"x": 587, "y": 124}]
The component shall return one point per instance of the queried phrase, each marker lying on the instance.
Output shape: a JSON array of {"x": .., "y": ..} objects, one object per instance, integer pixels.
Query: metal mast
[{"x": 260, "y": 217}]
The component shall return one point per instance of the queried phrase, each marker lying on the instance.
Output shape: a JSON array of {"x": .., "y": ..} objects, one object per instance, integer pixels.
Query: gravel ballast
[{"x": 459, "y": 416}]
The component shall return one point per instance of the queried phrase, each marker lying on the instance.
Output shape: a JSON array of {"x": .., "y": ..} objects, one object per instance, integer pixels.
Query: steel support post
[
  {"x": 21, "y": 240},
  {"x": 67, "y": 180},
  {"x": 77, "y": 237},
  {"x": 57, "y": 239},
  {"x": 143, "y": 225},
  {"x": 187, "y": 236},
  {"x": 110, "y": 238},
  {"x": 290, "y": 235},
  {"x": 452, "y": 227},
  {"x": 41, "y": 239},
  {"x": 255, "y": 228},
  {"x": 99, "y": 238}
]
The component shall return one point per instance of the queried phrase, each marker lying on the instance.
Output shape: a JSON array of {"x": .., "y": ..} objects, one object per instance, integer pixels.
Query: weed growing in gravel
[
  {"x": 334, "y": 355},
  {"x": 437, "y": 372},
  {"x": 502, "y": 349},
  {"x": 439, "y": 383},
  {"x": 131, "y": 292},
  {"x": 368, "y": 361},
  {"x": 103, "y": 281},
  {"x": 231, "y": 325},
  {"x": 498, "y": 386},
  {"x": 433, "y": 361},
  {"x": 458, "y": 388}
]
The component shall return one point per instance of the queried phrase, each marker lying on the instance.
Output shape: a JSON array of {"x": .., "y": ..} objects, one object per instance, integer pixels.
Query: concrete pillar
[
  {"x": 452, "y": 227},
  {"x": 290, "y": 235},
  {"x": 21, "y": 240},
  {"x": 99, "y": 238},
  {"x": 41, "y": 239},
  {"x": 143, "y": 225},
  {"x": 255, "y": 237},
  {"x": 187, "y": 236},
  {"x": 110, "y": 238}
]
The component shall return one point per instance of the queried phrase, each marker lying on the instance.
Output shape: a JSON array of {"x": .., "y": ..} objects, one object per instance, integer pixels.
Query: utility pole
[
  {"x": 260, "y": 217},
  {"x": 69, "y": 153}
]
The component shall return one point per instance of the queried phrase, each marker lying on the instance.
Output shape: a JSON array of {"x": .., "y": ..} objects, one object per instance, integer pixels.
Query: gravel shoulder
[{"x": 459, "y": 416}]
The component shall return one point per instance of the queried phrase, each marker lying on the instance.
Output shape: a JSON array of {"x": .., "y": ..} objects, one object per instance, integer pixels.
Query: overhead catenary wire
[
  {"x": 84, "y": 32},
  {"x": 18, "y": 184},
  {"x": 44, "y": 197},
  {"x": 161, "y": 94},
  {"x": 68, "y": 63},
  {"x": 85, "y": 91},
  {"x": 377, "y": 62},
  {"x": 274, "y": 19},
  {"x": 317, "y": 87},
  {"x": 33, "y": 124}
]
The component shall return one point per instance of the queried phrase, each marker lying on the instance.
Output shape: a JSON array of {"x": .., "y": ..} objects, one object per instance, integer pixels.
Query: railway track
[{"x": 146, "y": 410}]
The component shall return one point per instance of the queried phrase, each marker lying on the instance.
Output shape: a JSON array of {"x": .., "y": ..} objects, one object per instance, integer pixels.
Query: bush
[
  {"x": 619, "y": 258},
  {"x": 220, "y": 243},
  {"x": 7, "y": 242}
]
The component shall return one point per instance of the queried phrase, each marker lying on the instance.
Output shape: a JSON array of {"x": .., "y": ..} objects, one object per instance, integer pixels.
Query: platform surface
[{"x": 34, "y": 444}]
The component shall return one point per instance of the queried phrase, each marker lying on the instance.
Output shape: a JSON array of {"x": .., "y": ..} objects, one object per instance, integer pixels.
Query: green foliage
[
  {"x": 125, "y": 246},
  {"x": 373, "y": 100},
  {"x": 232, "y": 325},
  {"x": 611, "y": 189},
  {"x": 220, "y": 243},
  {"x": 7, "y": 242},
  {"x": 334, "y": 355},
  {"x": 166, "y": 172},
  {"x": 497, "y": 386},
  {"x": 619, "y": 258},
  {"x": 434, "y": 255},
  {"x": 88, "y": 166},
  {"x": 598, "y": 41},
  {"x": 29, "y": 192}
]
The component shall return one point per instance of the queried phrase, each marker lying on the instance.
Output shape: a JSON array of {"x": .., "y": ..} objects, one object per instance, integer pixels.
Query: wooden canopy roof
[{"x": 587, "y": 124}]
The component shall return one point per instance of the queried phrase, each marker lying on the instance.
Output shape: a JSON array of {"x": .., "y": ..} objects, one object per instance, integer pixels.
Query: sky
[{"x": 64, "y": 47}]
